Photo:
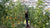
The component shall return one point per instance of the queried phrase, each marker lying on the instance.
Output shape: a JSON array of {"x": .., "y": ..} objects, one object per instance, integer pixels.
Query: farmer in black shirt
[{"x": 26, "y": 16}]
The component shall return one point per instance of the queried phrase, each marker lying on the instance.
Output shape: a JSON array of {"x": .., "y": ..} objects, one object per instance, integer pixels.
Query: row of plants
[
  {"x": 37, "y": 18},
  {"x": 12, "y": 15}
]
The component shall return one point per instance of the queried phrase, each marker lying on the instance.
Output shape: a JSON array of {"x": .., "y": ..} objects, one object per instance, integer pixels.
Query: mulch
[{"x": 28, "y": 26}]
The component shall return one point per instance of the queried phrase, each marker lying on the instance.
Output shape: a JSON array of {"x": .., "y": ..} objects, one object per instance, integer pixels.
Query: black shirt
[{"x": 26, "y": 15}]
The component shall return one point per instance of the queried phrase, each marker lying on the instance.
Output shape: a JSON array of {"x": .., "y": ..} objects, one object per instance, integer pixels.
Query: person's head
[{"x": 26, "y": 11}]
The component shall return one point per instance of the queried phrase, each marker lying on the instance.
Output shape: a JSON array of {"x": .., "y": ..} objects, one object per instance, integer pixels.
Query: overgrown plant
[
  {"x": 15, "y": 14},
  {"x": 37, "y": 18}
]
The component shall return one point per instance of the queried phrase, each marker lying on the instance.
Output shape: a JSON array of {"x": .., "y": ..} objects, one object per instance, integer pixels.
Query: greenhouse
[{"x": 24, "y": 13}]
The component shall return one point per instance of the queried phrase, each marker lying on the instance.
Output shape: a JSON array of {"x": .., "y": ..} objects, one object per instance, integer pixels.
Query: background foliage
[{"x": 12, "y": 14}]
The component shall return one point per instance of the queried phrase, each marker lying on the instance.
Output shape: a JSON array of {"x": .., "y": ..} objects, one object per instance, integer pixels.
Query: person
[{"x": 26, "y": 16}]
